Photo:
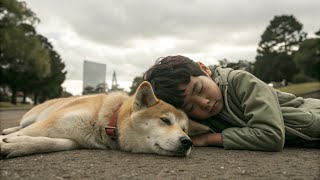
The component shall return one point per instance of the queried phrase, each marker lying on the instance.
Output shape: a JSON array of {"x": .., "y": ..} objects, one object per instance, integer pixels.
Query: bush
[{"x": 301, "y": 78}]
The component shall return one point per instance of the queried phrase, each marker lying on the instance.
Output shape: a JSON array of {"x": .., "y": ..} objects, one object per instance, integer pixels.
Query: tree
[
  {"x": 274, "y": 61},
  {"x": 307, "y": 58},
  {"x": 88, "y": 90},
  {"x": 50, "y": 86},
  {"x": 283, "y": 35},
  {"x": 240, "y": 65},
  {"x": 135, "y": 84},
  {"x": 15, "y": 20},
  {"x": 21, "y": 52}
]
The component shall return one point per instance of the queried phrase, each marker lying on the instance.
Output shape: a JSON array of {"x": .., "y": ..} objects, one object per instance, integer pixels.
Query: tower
[{"x": 114, "y": 85}]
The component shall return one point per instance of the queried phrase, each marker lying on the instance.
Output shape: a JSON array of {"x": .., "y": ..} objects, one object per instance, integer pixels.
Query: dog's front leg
[
  {"x": 25, "y": 145},
  {"x": 11, "y": 130}
]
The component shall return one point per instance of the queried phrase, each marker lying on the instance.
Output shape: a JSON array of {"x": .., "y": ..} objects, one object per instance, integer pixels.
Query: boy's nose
[{"x": 205, "y": 104}]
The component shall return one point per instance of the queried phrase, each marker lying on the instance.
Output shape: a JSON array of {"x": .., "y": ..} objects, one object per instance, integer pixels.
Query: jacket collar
[{"x": 220, "y": 77}]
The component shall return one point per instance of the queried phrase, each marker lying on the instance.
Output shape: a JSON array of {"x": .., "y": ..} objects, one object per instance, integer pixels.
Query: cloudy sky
[{"x": 129, "y": 35}]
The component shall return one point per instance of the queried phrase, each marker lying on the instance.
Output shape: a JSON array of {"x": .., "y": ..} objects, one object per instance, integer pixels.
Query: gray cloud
[
  {"x": 194, "y": 26},
  {"x": 118, "y": 22}
]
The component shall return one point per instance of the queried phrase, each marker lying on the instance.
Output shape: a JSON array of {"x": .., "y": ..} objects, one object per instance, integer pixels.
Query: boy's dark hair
[{"x": 169, "y": 72}]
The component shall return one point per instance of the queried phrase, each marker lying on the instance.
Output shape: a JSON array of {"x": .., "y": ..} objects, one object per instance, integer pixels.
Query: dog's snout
[{"x": 186, "y": 142}]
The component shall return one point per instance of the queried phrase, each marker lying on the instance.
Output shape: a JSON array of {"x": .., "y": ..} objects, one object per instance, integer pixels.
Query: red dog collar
[{"x": 111, "y": 129}]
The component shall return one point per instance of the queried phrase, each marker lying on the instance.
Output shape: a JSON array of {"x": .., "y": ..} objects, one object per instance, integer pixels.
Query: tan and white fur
[{"x": 145, "y": 125}]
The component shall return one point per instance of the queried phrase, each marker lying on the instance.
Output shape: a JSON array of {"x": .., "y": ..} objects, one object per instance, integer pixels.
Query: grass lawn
[
  {"x": 9, "y": 105},
  {"x": 303, "y": 88}
]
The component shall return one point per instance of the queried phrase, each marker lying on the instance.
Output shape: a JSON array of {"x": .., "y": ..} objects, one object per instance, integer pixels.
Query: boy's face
[{"x": 203, "y": 96}]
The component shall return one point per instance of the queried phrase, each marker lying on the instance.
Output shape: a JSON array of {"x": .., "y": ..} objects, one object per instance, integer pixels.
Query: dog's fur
[{"x": 145, "y": 125}]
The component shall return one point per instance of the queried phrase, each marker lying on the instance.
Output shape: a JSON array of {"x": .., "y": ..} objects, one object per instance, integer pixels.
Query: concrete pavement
[{"x": 203, "y": 163}]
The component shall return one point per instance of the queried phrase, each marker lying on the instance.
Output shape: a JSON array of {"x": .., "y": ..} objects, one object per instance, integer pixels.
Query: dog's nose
[{"x": 186, "y": 142}]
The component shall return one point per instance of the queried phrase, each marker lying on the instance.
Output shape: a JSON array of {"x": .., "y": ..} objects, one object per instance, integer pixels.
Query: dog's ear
[
  {"x": 196, "y": 128},
  {"x": 144, "y": 97}
]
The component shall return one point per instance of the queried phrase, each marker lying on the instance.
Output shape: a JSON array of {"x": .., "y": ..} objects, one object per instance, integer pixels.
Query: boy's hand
[{"x": 207, "y": 139}]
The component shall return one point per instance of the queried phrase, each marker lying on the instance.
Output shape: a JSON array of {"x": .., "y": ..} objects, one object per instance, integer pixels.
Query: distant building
[{"x": 94, "y": 77}]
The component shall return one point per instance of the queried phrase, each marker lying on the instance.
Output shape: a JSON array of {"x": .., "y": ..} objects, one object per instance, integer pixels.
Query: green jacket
[{"x": 258, "y": 117}]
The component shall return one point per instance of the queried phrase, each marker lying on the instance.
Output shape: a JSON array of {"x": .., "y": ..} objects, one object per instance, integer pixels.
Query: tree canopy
[
  {"x": 135, "y": 84},
  {"x": 282, "y": 35},
  {"x": 274, "y": 61},
  {"x": 307, "y": 58},
  {"x": 25, "y": 56}
]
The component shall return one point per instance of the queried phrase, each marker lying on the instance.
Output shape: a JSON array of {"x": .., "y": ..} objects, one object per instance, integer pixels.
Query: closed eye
[{"x": 166, "y": 121}]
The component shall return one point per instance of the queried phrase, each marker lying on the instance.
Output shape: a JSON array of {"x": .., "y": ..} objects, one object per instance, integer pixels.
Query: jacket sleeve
[{"x": 264, "y": 128}]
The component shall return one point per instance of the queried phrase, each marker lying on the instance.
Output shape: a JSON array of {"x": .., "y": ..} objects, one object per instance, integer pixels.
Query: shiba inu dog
[{"x": 139, "y": 124}]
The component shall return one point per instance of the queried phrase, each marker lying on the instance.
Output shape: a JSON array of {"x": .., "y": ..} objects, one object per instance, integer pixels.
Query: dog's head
[{"x": 155, "y": 126}]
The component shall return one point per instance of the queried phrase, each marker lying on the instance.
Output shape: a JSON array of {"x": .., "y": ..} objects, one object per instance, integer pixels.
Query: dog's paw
[
  {"x": 13, "y": 146},
  {"x": 11, "y": 130},
  {"x": 1, "y": 140},
  {"x": 1, "y": 143}
]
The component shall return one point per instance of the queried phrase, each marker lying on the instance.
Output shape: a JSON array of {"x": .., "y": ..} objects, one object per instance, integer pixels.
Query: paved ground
[
  {"x": 203, "y": 163},
  {"x": 314, "y": 94}
]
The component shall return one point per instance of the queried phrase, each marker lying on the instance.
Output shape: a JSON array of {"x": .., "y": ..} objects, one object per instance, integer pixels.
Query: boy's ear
[
  {"x": 204, "y": 68},
  {"x": 144, "y": 97},
  {"x": 196, "y": 128}
]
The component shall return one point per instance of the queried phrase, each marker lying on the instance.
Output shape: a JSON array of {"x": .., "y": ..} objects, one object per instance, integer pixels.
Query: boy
[{"x": 242, "y": 111}]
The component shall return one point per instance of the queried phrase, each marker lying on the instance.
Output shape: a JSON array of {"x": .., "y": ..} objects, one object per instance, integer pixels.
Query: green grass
[
  {"x": 303, "y": 88},
  {"x": 9, "y": 105}
]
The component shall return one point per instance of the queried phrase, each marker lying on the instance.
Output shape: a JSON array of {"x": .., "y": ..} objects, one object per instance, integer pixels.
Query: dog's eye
[{"x": 166, "y": 121}]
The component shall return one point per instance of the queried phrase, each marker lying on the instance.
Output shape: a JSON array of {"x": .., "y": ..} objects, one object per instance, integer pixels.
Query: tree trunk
[
  {"x": 24, "y": 98},
  {"x": 35, "y": 99},
  {"x": 14, "y": 95}
]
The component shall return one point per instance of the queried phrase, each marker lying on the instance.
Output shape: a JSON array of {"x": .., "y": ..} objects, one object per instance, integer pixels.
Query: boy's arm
[
  {"x": 211, "y": 139},
  {"x": 264, "y": 128}
]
